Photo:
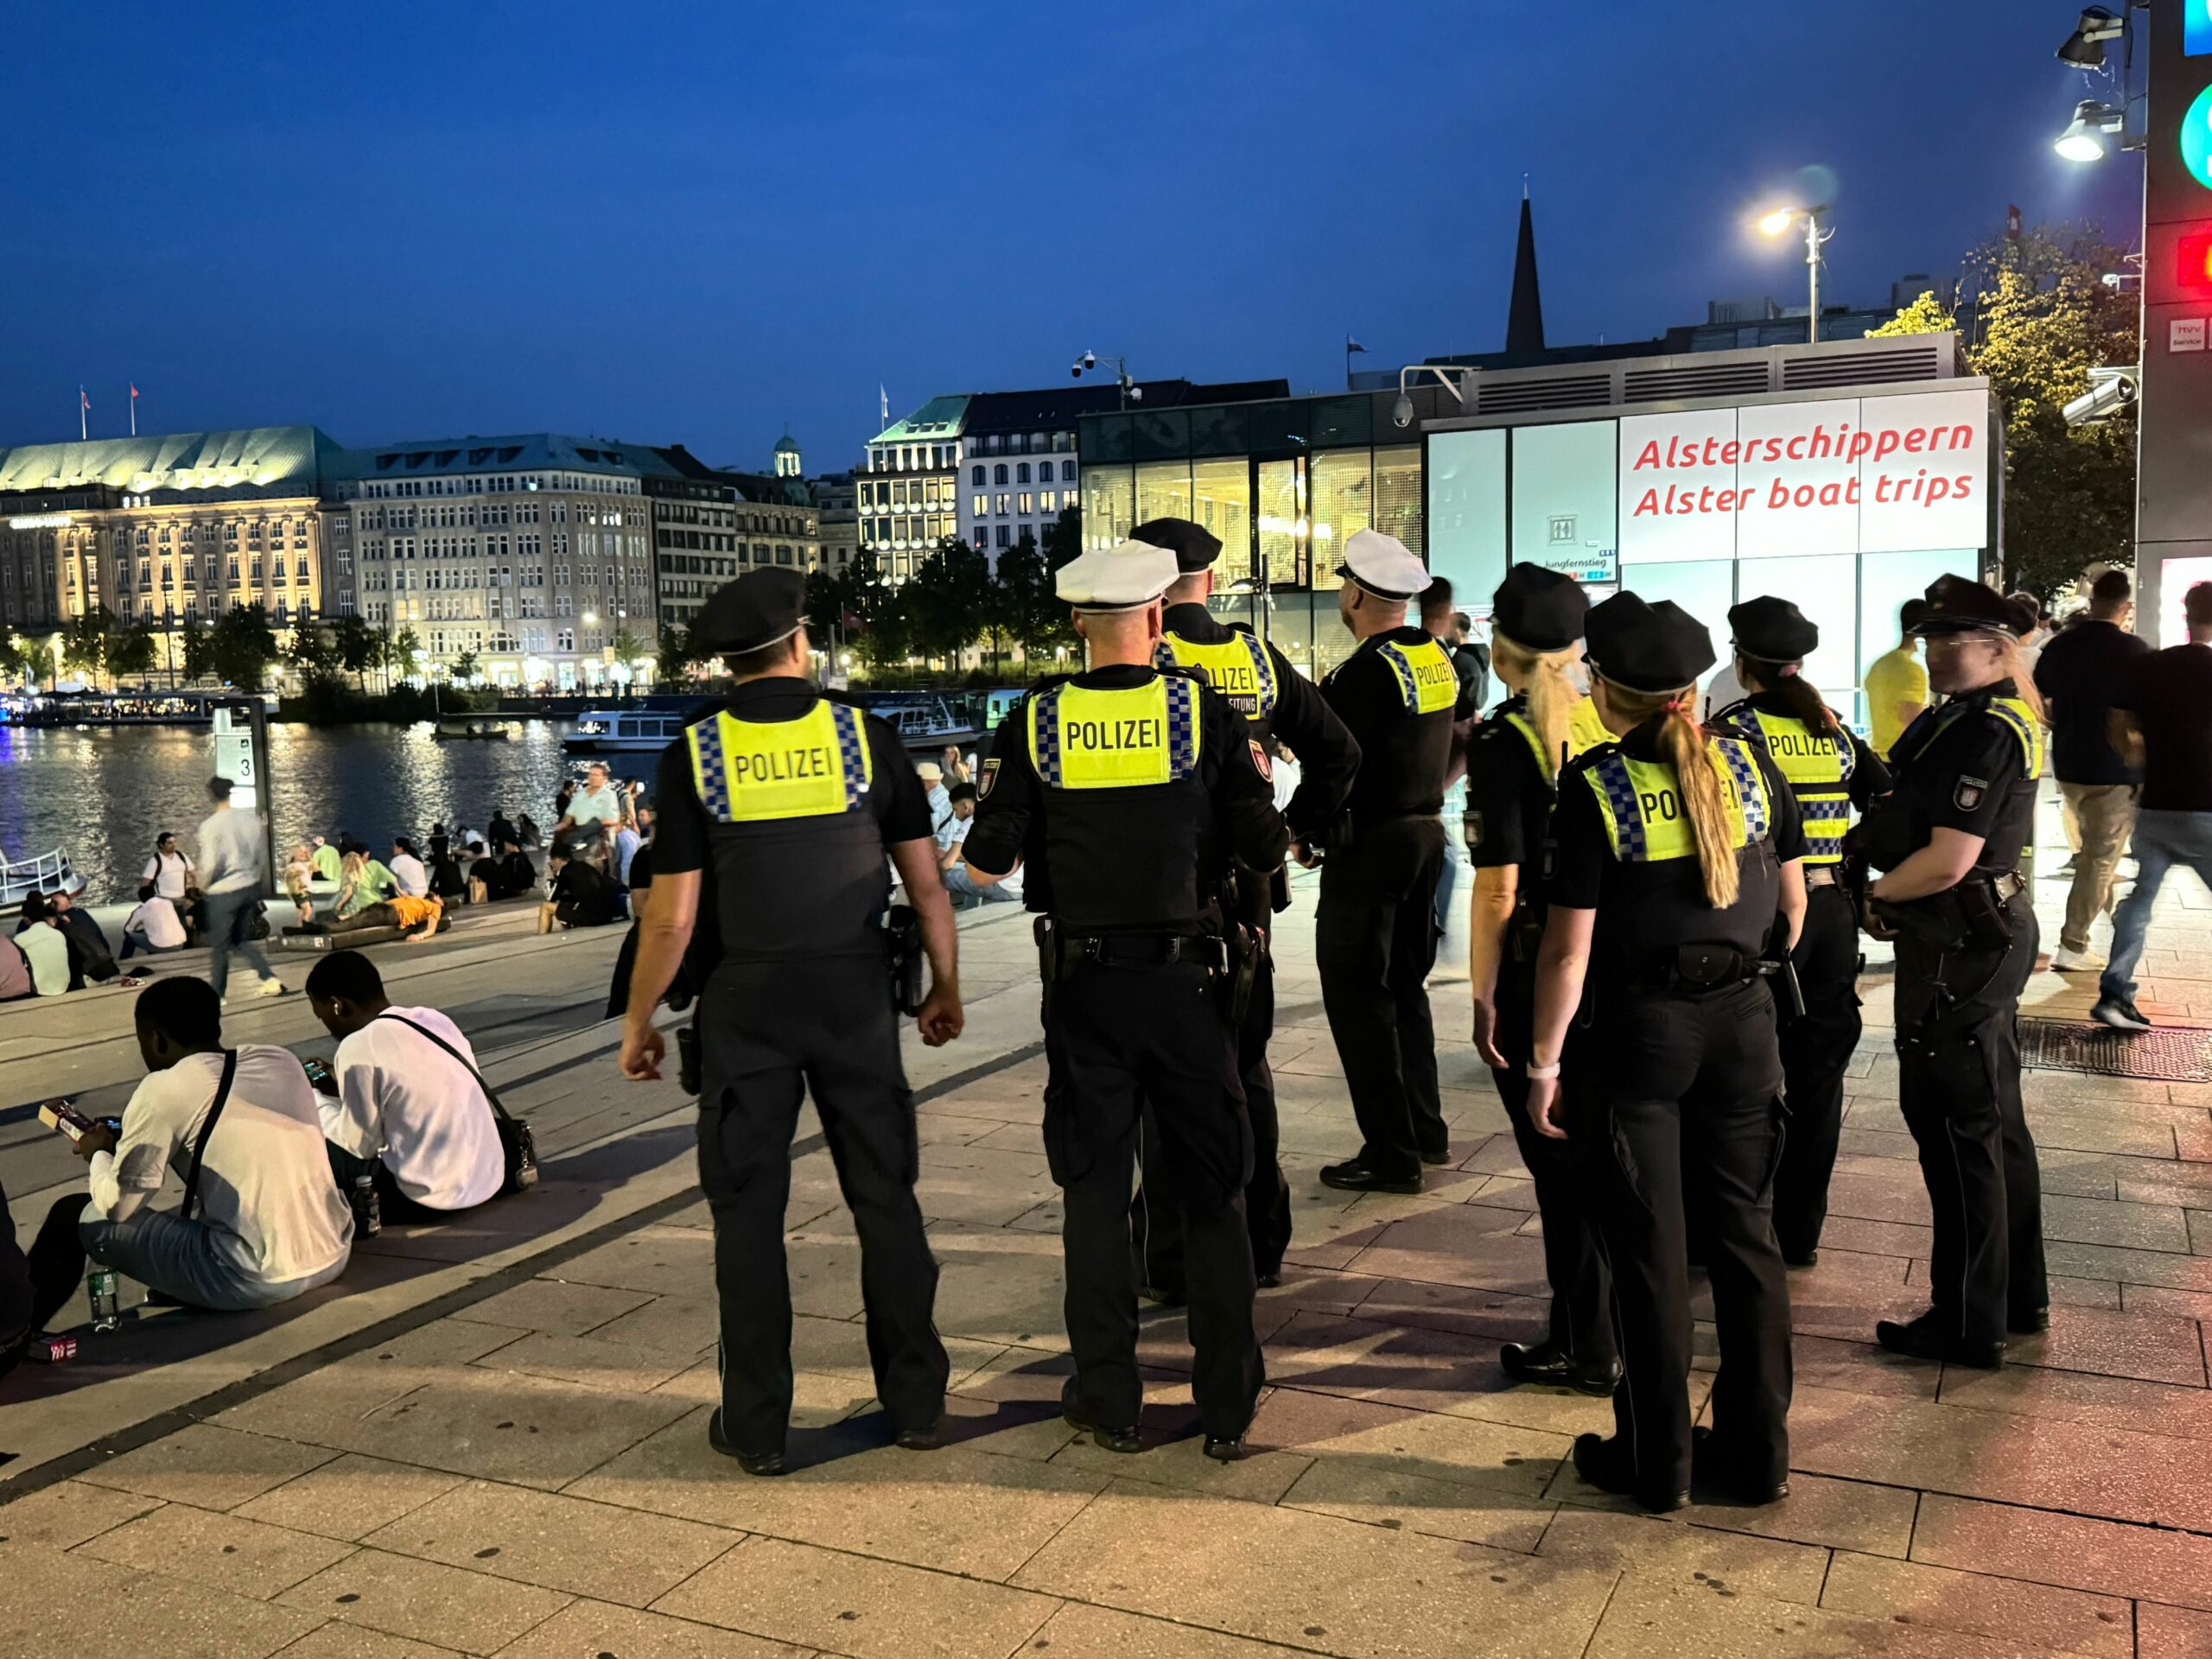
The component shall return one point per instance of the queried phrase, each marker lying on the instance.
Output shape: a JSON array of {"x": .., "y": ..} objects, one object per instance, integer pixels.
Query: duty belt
[
  {"x": 1697, "y": 969},
  {"x": 1141, "y": 949}
]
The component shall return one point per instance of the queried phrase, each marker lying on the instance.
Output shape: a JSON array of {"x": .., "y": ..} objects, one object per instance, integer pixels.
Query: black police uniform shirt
[
  {"x": 807, "y": 887},
  {"x": 1403, "y": 755},
  {"x": 1135, "y": 858},
  {"x": 1298, "y": 714},
  {"x": 1647, "y": 909},
  {"x": 1508, "y": 800},
  {"x": 1961, "y": 766}
]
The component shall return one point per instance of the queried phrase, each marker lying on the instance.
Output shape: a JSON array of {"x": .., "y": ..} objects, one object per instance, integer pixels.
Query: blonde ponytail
[
  {"x": 1682, "y": 745},
  {"x": 1543, "y": 680},
  {"x": 2014, "y": 662}
]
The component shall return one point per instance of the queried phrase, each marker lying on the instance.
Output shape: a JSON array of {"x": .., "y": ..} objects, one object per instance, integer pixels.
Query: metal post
[{"x": 1813, "y": 275}]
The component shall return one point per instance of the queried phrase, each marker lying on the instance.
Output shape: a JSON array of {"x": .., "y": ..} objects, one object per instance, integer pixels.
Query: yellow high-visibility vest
[
  {"x": 1082, "y": 737},
  {"x": 1238, "y": 667},
  {"x": 752, "y": 772},
  {"x": 1585, "y": 731},
  {"x": 1818, "y": 767},
  {"x": 1646, "y": 820},
  {"x": 1426, "y": 678}
]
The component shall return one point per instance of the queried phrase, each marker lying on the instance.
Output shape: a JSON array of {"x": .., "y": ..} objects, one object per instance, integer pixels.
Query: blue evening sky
[{"x": 694, "y": 223}]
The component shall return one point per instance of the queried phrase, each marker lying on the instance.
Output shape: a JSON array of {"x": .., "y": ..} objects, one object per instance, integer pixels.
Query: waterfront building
[
  {"x": 836, "y": 496},
  {"x": 711, "y": 525},
  {"x": 908, "y": 492},
  {"x": 163, "y": 529}
]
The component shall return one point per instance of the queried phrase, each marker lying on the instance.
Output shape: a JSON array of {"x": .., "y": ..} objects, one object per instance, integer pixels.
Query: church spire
[{"x": 1524, "y": 315}]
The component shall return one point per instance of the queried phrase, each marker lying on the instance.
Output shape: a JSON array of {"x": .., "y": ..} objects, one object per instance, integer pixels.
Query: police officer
[
  {"x": 1512, "y": 763},
  {"x": 1135, "y": 789},
  {"x": 1278, "y": 702},
  {"x": 779, "y": 807},
  {"x": 1672, "y": 853},
  {"x": 1375, "y": 929},
  {"x": 1949, "y": 839},
  {"x": 1830, "y": 771}
]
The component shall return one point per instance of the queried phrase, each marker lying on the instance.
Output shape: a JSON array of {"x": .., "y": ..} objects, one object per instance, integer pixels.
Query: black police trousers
[
  {"x": 1156, "y": 1229},
  {"x": 1582, "y": 1310},
  {"x": 1125, "y": 1036},
  {"x": 1959, "y": 1060},
  {"x": 1816, "y": 1047},
  {"x": 1374, "y": 942},
  {"x": 765, "y": 1030},
  {"x": 1664, "y": 1090}
]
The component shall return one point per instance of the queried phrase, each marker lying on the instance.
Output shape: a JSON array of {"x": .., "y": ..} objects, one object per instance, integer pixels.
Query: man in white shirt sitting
[
  {"x": 951, "y": 836},
  {"x": 401, "y": 1099},
  {"x": 154, "y": 927},
  {"x": 38, "y": 936},
  {"x": 264, "y": 1222}
]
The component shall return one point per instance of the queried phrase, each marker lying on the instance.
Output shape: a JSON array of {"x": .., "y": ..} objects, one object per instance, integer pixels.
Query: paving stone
[
  {"x": 348, "y": 1497},
  {"x": 1362, "y": 1590},
  {"x": 2074, "y": 1551},
  {"x": 1869, "y": 1237},
  {"x": 1498, "y": 1315},
  {"x": 675, "y": 1324},
  {"x": 596, "y": 1630},
  {"x": 58, "y": 1607},
  {"x": 1380, "y": 1496},
  {"x": 2135, "y": 1226},
  {"x": 2084, "y": 1130},
  {"x": 2129, "y": 1267},
  {"x": 1459, "y": 1244},
  {"x": 66, "y": 1514},
  {"x": 1180, "y": 1461},
  {"x": 2163, "y": 1632},
  {"x": 590, "y": 1362},
  {"x": 1078, "y": 1632},
  {"x": 2066, "y": 1621},
  {"x": 2153, "y": 1347},
  {"x": 247, "y": 1558},
  {"x": 559, "y": 1542},
  {"x": 305, "y": 1408},
  {"x": 819, "y": 1598},
  {"x": 1419, "y": 1444},
  {"x": 2080, "y": 1397},
  {"x": 553, "y": 1305},
  {"x": 340, "y": 1641},
  {"x": 658, "y": 1259},
  {"x": 1603, "y": 1541},
  {"x": 208, "y": 1467},
  {"x": 472, "y": 1612},
  {"x": 1859, "y": 1367},
  {"x": 1649, "y": 1617},
  {"x": 1840, "y": 1514},
  {"x": 2066, "y": 1292}
]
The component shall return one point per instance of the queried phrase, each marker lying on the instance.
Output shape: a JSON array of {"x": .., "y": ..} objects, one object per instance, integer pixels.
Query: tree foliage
[
  {"x": 84, "y": 642},
  {"x": 198, "y": 649},
  {"x": 131, "y": 651},
  {"x": 241, "y": 645},
  {"x": 316, "y": 657}
]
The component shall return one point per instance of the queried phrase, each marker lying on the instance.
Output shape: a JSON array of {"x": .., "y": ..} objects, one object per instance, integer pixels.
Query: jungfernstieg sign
[{"x": 1845, "y": 475}]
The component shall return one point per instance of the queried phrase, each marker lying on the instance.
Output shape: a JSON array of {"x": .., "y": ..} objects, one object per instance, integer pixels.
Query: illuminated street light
[
  {"x": 1774, "y": 224},
  {"x": 2084, "y": 49},
  {"x": 2087, "y": 138}
]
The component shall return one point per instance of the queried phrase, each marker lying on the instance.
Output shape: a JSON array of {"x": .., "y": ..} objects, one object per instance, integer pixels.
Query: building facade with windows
[
  {"x": 711, "y": 525},
  {"x": 836, "y": 498},
  {"x": 166, "y": 530},
  {"x": 909, "y": 488},
  {"x": 533, "y": 552}
]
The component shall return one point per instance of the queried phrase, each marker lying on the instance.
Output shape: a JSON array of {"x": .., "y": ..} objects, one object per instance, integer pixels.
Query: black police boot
[
  {"x": 1438, "y": 1159},
  {"x": 754, "y": 1463},
  {"x": 1547, "y": 1362},
  {"x": 1935, "y": 1335},
  {"x": 924, "y": 1437},
  {"x": 1163, "y": 1295},
  {"x": 1606, "y": 1465},
  {"x": 1716, "y": 1474},
  {"x": 1112, "y": 1440},
  {"x": 1354, "y": 1176},
  {"x": 1805, "y": 1258},
  {"x": 2031, "y": 1322}
]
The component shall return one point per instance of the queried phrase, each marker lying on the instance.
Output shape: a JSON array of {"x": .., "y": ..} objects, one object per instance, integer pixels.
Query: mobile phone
[
  {"x": 61, "y": 1113},
  {"x": 318, "y": 1074}
]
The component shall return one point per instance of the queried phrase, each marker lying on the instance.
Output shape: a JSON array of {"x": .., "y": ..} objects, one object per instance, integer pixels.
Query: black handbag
[{"x": 515, "y": 1141}]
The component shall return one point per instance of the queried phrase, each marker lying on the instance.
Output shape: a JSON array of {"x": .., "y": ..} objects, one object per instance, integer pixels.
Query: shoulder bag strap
[
  {"x": 206, "y": 1128},
  {"x": 497, "y": 1110}
]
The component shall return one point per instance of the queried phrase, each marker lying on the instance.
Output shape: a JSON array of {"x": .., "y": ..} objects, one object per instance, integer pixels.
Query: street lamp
[
  {"x": 1774, "y": 224},
  {"x": 2087, "y": 135},
  {"x": 2085, "y": 48}
]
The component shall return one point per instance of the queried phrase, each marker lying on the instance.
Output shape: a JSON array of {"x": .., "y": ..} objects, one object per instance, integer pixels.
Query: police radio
[{"x": 902, "y": 941}]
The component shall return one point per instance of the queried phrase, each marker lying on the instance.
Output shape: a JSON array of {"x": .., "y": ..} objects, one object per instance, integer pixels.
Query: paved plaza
[{"x": 491, "y": 1438}]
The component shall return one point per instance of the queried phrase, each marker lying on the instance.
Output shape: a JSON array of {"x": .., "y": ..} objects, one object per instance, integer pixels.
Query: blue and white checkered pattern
[
  {"x": 707, "y": 770},
  {"x": 1044, "y": 727},
  {"x": 1610, "y": 773},
  {"x": 1182, "y": 734},
  {"x": 1736, "y": 755},
  {"x": 852, "y": 753},
  {"x": 1263, "y": 670}
]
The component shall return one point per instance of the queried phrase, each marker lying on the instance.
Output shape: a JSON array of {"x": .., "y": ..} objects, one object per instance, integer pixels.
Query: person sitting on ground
[
  {"x": 448, "y": 881},
  {"x": 487, "y": 881},
  {"x": 264, "y": 1222},
  {"x": 440, "y": 842},
  {"x": 402, "y": 1111},
  {"x": 951, "y": 835},
  {"x": 152, "y": 929},
  {"x": 408, "y": 869},
  {"x": 581, "y": 895},
  {"x": 526, "y": 832},
  {"x": 15, "y": 983},
  {"x": 34, "y": 1284},
  {"x": 500, "y": 829},
  {"x": 39, "y": 937},
  {"x": 298, "y": 872},
  {"x": 362, "y": 884},
  {"x": 327, "y": 860},
  {"x": 92, "y": 960},
  {"x": 521, "y": 873}
]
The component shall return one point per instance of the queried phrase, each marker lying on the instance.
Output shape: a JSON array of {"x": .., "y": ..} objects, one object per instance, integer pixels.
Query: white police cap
[
  {"x": 1382, "y": 565},
  {"x": 1117, "y": 578}
]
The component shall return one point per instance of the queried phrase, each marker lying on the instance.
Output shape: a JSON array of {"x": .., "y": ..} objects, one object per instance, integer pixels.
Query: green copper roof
[{"x": 940, "y": 418}]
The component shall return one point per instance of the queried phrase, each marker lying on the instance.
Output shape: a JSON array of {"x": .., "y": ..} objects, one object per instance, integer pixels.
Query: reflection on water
[{"x": 103, "y": 795}]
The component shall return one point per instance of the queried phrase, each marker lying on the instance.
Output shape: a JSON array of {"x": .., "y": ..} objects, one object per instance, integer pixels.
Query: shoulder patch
[
  {"x": 1260, "y": 763},
  {"x": 986, "y": 776},
  {"x": 1967, "y": 794}
]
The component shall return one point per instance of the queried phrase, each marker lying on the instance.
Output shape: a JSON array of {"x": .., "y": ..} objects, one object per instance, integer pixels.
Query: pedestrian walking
[
  {"x": 2080, "y": 672},
  {"x": 1133, "y": 789},
  {"x": 1375, "y": 929},
  {"x": 1949, "y": 838},
  {"x": 788, "y": 807},
  {"x": 234, "y": 855},
  {"x": 1831, "y": 772},
  {"x": 1281, "y": 708},
  {"x": 1513, "y": 764},
  {"x": 2161, "y": 717},
  {"x": 1675, "y": 867}
]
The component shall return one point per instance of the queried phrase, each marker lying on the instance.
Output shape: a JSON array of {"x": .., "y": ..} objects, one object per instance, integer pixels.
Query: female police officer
[
  {"x": 1949, "y": 840},
  {"x": 1512, "y": 764},
  {"x": 1830, "y": 771},
  {"x": 1672, "y": 853}
]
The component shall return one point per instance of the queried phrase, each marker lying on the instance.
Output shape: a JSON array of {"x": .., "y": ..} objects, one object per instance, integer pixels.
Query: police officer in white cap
[
  {"x": 1130, "y": 790},
  {"x": 1375, "y": 929},
  {"x": 776, "y": 812}
]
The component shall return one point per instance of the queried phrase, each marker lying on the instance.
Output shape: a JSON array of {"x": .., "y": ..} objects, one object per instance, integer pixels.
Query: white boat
[
  {"x": 50, "y": 873},
  {"x": 925, "y": 724},
  {"x": 623, "y": 731}
]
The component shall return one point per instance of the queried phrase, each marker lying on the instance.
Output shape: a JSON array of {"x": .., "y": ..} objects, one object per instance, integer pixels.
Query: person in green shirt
[
  {"x": 326, "y": 861},
  {"x": 1897, "y": 685}
]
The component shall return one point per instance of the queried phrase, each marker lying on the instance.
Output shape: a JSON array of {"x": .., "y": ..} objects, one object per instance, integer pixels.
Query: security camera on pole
[{"x": 1131, "y": 393}]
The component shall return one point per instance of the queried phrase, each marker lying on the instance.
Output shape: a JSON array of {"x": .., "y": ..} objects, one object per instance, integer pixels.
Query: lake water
[{"x": 103, "y": 795}]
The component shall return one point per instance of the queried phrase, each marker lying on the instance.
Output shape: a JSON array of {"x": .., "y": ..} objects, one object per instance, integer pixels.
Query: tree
[
  {"x": 399, "y": 651},
  {"x": 2042, "y": 319},
  {"x": 314, "y": 655},
  {"x": 1925, "y": 315},
  {"x": 16, "y": 660},
  {"x": 131, "y": 651},
  {"x": 84, "y": 641},
  {"x": 675, "y": 657},
  {"x": 628, "y": 646},
  {"x": 199, "y": 651},
  {"x": 946, "y": 598},
  {"x": 241, "y": 645},
  {"x": 886, "y": 638},
  {"x": 1023, "y": 604},
  {"x": 357, "y": 647},
  {"x": 464, "y": 666}
]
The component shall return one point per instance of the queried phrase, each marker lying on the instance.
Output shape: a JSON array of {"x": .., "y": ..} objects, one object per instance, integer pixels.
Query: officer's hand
[
  {"x": 1875, "y": 925},
  {"x": 1543, "y": 1108},
  {"x": 1486, "y": 1032},
  {"x": 940, "y": 1020},
  {"x": 1303, "y": 852},
  {"x": 642, "y": 1049}
]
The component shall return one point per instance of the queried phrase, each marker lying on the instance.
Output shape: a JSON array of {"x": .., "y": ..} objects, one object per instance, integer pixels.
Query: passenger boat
[
  {"x": 925, "y": 722},
  {"x": 472, "y": 731},
  {"x": 51, "y": 873},
  {"x": 623, "y": 731}
]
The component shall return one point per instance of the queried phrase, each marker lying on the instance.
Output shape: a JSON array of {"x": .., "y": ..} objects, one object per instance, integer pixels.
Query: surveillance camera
[
  {"x": 1090, "y": 360},
  {"x": 2110, "y": 391},
  {"x": 1401, "y": 412},
  {"x": 1136, "y": 394},
  {"x": 1076, "y": 373}
]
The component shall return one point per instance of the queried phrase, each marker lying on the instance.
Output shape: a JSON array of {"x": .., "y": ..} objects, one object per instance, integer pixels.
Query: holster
[
  {"x": 686, "y": 1060},
  {"x": 902, "y": 942},
  {"x": 1970, "y": 916},
  {"x": 1248, "y": 946}
]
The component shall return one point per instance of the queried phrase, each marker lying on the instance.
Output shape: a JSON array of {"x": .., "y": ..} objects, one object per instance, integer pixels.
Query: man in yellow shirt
[{"x": 1897, "y": 685}]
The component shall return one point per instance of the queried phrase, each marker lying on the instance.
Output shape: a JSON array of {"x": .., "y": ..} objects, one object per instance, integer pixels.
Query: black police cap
[
  {"x": 758, "y": 609},
  {"x": 1772, "y": 630},
  {"x": 1646, "y": 647},
  {"x": 1958, "y": 606},
  {"x": 1539, "y": 607},
  {"x": 1194, "y": 546}
]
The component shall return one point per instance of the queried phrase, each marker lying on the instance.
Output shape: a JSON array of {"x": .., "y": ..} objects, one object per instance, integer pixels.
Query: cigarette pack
[{"x": 62, "y": 1113}]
